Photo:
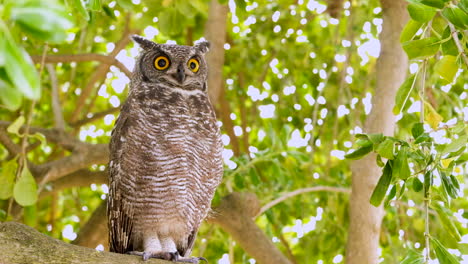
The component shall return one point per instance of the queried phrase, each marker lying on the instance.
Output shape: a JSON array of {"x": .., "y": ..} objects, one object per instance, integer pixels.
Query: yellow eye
[
  {"x": 193, "y": 65},
  {"x": 161, "y": 63}
]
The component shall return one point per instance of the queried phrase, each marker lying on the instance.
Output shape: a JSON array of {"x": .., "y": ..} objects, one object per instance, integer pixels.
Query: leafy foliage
[{"x": 298, "y": 84}]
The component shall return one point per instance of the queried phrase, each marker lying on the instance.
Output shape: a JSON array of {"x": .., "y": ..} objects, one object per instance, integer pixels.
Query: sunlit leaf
[
  {"x": 401, "y": 168},
  {"x": 456, "y": 16},
  {"x": 447, "y": 68},
  {"x": 7, "y": 178},
  {"x": 385, "y": 149},
  {"x": 442, "y": 253},
  {"x": 456, "y": 144},
  {"x": 80, "y": 7},
  {"x": 432, "y": 117},
  {"x": 413, "y": 257},
  {"x": 420, "y": 12},
  {"x": 403, "y": 94},
  {"x": 446, "y": 218},
  {"x": 25, "y": 190},
  {"x": 382, "y": 186},
  {"x": 45, "y": 22},
  {"x": 421, "y": 48},
  {"x": 20, "y": 70},
  {"x": 16, "y": 125}
]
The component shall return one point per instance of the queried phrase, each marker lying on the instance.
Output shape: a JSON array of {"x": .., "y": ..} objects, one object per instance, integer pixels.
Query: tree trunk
[
  {"x": 215, "y": 32},
  {"x": 365, "y": 219}
]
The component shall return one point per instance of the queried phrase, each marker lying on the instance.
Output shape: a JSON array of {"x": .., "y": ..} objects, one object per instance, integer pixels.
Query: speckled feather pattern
[{"x": 165, "y": 159}]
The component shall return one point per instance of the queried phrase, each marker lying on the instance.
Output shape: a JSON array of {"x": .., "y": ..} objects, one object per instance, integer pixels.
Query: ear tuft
[
  {"x": 203, "y": 46},
  {"x": 144, "y": 43}
]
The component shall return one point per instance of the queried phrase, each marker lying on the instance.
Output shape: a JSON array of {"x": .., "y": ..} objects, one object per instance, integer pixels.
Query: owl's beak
[{"x": 180, "y": 74}]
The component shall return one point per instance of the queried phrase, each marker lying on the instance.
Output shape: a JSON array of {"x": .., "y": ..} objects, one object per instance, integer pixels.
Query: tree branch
[
  {"x": 23, "y": 244},
  {"x": 57, "y": 110},
  {"x": 457, "y": 42},
  {"x": 234, "y": 215},
  {"x": 104, "y": 59},
  {"x": 301, "y": 191},
  {"x": 80, "y": 178},
  {"x": 88, "y": 237},
  {"x": 100, "y": 72},
  {"x": 95, "y": 116}
]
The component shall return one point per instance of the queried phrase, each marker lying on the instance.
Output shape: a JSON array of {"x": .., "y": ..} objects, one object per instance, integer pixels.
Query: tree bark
[
  {"x": 23, "y": 244},
  {"x": 365, "y": 219},
  {"x": 215, "y": 33},
  {"x": 235, "y": 215}
]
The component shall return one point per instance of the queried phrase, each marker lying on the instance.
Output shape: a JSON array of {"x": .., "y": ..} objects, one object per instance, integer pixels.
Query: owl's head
[{"x": 176, "y": 65}]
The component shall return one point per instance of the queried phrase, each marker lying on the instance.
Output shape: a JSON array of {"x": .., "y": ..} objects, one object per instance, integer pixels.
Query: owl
[{"x": 165, "y": 155}]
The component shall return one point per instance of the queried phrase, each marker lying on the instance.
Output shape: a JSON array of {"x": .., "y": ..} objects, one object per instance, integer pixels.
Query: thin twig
[
  {"x": 301, "y": 191},
  {"x": 56, "y": 108},
  {"x": 457, "y": 42}
]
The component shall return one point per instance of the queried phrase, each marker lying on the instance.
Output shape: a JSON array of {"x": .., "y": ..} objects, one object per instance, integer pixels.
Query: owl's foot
[
  {"x": 159, "y": 255},
  {"x": 172, "y": 256}
]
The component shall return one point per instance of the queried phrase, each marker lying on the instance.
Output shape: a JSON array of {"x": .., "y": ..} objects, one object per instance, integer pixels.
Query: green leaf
[
  {"x": 7, "y": 179},
  {"x": 417, "y": 130},
  {"x": 456, "y": 144},
  {"x": 169, "y": 22},
  {"x": 359, "y": 153},
  {"x": 423, "y": 138},
  {"x": 442, "y": 253},
  {"x": 25, "y": 190},
  {"x": 434, "y": 3},
  {"x": 456, "y": 16},
  {"x": 401, "y": 168},
  {"x": 30, "y": 215},
  {"x": 385, "y": 149},
  {"x": 413, "y": 257},
  {"x": 125, "y": 4},
  {"x": 240, "y": 4},
  {"x": 94, "y": 5},
  {"x": 45, "y": 22},
  {"x": 417, "y": 184},
  {"x": 79, "y": 7},
  {"x": 16, "y": 125},
  {"x": 382, "y": 186},
  {"x": 11, "y": 97},
  {"x": 447, "y": 68},
  {"x": 403, "y": 95},
  {"x": 428, "y": 180},
  {"x": 420, "y": 12},
  {"x": 421, "y": 48},
  {"x": 376, "y": 138},
  {"x": 445, "y": 217},
  {"x": 410, "y": 29},
  {"x": 449, "y": 47},
  {"x": 463, "y": 5},
  {"x": 448, "y": 185},
  {"x": 20, "y": 70}
]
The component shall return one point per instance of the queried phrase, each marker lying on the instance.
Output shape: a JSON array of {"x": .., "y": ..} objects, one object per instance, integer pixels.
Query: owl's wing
[{"x": 119, "y": 210}]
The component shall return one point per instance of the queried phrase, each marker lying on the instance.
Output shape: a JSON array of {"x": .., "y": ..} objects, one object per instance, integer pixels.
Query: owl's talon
[{"x": 194, "y": 260}]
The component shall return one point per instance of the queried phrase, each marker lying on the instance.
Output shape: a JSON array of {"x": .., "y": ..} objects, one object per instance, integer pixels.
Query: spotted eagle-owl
[{"x": 165, "y": 154}]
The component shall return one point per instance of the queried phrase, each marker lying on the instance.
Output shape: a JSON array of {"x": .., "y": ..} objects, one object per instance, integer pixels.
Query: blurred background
[{"x": 292, "y": 83}]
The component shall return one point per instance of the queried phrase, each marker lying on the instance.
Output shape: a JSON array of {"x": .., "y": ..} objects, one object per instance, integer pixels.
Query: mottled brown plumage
[{"x": 165, "y": 161}]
